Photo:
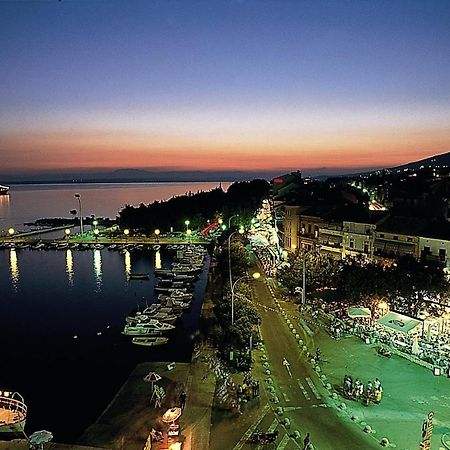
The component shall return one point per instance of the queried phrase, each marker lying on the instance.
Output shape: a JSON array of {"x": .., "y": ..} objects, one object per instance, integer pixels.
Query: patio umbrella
[
  {"x": 171, "y": 415},
  {"x": 152, "y": 377},
  {"x": 41, "y": 437}
]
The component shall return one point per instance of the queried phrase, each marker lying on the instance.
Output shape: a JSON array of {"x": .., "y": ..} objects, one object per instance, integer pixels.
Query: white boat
[
  {"x": 13, "y": 412},
  {"x": 153, "y": 326},
  {"x": 150, "y": 341},
  {"x": 4, "y": 190}
]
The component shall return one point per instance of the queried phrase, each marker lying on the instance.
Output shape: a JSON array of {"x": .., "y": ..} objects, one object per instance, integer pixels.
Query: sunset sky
[{"x": 231, "y": 84}]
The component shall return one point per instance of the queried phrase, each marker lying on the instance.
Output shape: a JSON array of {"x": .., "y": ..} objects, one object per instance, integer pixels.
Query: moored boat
[
  {"x": 150, "y": 341},
  {"x": 13, "y": 412},
  {"x": 4, "y": 190},
  {"x": 139, "y": 276}
]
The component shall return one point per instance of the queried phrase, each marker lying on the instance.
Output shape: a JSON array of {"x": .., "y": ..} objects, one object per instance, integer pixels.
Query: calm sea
[{"x": 63, "y": 311}]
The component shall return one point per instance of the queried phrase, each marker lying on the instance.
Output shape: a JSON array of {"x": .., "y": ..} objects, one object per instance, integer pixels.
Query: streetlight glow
[
  {"x": 67, "y": 232},
  {"x": 78, "y": 197},
  {"x": 126, "y": 232},
  {"x": 96, "y": 231},
  {"x": 11, "y": 231},
  {"x": 255, "y": 276},
  {"x": 157, "y": 232}
]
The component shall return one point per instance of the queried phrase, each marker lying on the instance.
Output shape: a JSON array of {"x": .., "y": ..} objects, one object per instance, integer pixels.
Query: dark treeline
[{"x": 241, "y": 198}]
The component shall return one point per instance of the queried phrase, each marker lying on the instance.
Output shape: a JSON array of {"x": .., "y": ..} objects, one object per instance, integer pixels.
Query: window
[
  {"x": 410, "y": 239},
  {"x": 381, "y": 235},
  {"x": 395, "y": 238},
  {"x": 352, "y": 243},
  {"x": 442, "y": 254}
]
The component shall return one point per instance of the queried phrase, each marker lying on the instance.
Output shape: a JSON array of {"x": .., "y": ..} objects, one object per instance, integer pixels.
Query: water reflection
[
  {"x": 98, "y": 268},
  {"x": 69, "y": 266},
  {"x": 4, "y": 211},
  {"x": 14, "y": 268},
  {"x": 127, "y": 263},
  {"x": 158, "y": 264}
]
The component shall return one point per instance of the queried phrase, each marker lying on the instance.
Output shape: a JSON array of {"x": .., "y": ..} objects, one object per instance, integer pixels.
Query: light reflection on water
[
  {"x": 69, "y": 266},
  {"x": 14, "y": 268},
  {"x": 158, "y": 264},
  {"x": 44, "y": 315},
  {"x": 127, "y": 257},
  {"x": 98, "y": 269}
]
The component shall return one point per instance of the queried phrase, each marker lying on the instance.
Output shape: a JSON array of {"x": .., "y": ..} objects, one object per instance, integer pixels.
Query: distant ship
[{"x": 4, "y": 190}]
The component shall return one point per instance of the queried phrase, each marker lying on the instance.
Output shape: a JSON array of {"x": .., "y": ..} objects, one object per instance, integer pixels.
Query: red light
[{"x": 277, "y": 180}]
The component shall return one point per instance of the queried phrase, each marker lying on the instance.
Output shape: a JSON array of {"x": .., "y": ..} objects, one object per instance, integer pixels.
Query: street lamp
[
  {"x": 126, "y": 232},
  {"x": 240, "y": 231},
  {"x": 78, "y": 197},
  {"x": 67, "y": 232},
  {"x": 229, "y": 220},
  {"x": 186, "y": 222},
  {"x": 96, "y": 233},
  {"x": 157, "y": 232},
  {"x": 11, "y": 231},
  {"x": 255, "y": 276}
]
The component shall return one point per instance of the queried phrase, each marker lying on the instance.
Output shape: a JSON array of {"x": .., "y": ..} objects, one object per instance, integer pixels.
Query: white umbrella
[
  {"x": 171, "y": 415},
  {"x": 41, "y": 437}
]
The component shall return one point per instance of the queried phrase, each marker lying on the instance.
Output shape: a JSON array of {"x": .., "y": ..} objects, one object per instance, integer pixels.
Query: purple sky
[{"x": 222, "y": 84}]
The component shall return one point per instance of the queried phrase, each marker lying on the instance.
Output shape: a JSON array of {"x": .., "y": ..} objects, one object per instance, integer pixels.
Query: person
[
  {"x": 377, "y": 383},
  {"x": 183, "y": 397},
  {"x": 306, "y": 442}
]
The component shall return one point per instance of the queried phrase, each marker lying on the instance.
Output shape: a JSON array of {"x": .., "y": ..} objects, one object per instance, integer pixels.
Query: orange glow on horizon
[{"x": 107, "y": 150}]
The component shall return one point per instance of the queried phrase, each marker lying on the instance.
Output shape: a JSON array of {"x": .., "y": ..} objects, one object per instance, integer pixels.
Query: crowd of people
[{"x": 355, "y": 390}]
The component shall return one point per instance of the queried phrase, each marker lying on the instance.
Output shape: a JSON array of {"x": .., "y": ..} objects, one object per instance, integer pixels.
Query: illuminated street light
[
  {"x": 157, "y": 232},
  {"x": 78, "y": 197},
  {"x": 255, "y": 276},
  {"x": 11, "y": 231},
  {"x": 126, "y": 232},
  {"x": 96, "y": 233},
  {"x": 187, "y": 222},
  {"x": 241, "y": 231},
  {"x": 229, "y": 220},
  {"x": 188, "y": 232},
  {"x": 67, "y": 232}
]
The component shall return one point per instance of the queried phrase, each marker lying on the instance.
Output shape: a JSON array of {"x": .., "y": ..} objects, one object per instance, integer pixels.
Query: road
[{"x": 305, "y": 401}]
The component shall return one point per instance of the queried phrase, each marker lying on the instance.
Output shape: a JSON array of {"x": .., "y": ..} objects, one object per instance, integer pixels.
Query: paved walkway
[{"x": 410, "y": 390}]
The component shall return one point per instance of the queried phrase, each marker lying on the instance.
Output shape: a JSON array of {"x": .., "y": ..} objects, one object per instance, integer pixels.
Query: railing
[{"x": 14, "y": 405}]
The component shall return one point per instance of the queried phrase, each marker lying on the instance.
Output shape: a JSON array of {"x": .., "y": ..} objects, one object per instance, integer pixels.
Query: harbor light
[
  {"x": 126, "y": 232},
  {"x": 11, "y": 231},
  {"x": 157, "y": 232},
  {"x": 67, "y": 232},
  {"x": 96, "y": 231},
  {"x": 188, "y": 232}
]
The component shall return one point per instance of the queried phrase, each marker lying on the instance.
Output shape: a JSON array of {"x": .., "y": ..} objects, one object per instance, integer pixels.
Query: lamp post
[
  {"x": 67, "y": 233},
  {"x": 302, "y": 290},
  {"x": 187, "y": 222},
  {"x": 11, "y": 232},
  {"x": 255, "y": 276},
  {"x": 96, "y": 233},
  {"x": 240, "y": 231},
  {"x": 78, "y": 197},
  {"x": 126, "y": 232},
  {"x": 157, "y": 232},
  {"x": 229, "y": 220}
]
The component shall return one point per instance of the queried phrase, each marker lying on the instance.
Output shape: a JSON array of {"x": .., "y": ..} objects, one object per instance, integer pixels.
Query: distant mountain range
[
  {"x": 433, "y": 161},
  {"x": 159, "y": 176},
  {"x": 156, "y": 176}
]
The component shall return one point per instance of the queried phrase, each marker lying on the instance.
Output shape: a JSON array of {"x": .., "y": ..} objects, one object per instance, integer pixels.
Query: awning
[
  {"x": 399, "y": 322},
  {"x": 361, "y": 312}
]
